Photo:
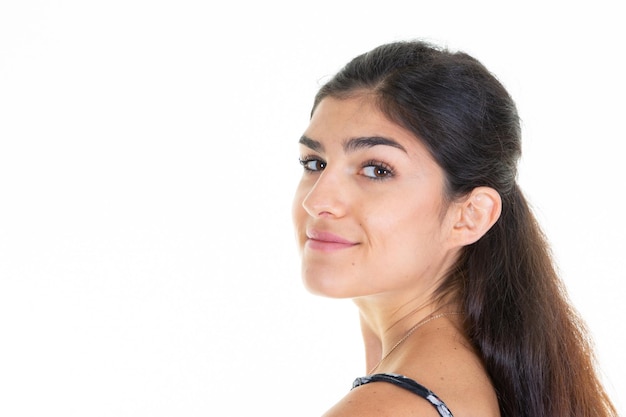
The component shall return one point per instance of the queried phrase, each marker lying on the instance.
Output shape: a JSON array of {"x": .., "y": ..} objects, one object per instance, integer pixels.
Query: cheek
[{"x": 412, "y": 225}]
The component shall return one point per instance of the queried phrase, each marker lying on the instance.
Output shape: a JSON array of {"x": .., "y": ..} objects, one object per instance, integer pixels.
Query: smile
[{"x": 326, "y": 242}]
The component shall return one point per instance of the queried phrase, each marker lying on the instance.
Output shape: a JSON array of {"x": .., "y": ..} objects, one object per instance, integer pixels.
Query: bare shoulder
[
  {"x": 380, "y": 399},
  {"x": 453, "y": 371},
  {"x": 444, "y": 364}
]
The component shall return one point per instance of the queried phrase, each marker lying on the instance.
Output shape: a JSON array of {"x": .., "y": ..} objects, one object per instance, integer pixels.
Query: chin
[
  {"x": 325, "y": 286},
  {"x": 331, "y": 284}
]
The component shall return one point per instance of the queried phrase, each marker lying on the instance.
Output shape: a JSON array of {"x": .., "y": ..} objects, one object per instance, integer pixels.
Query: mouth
[{"x": 326, "y": 242}]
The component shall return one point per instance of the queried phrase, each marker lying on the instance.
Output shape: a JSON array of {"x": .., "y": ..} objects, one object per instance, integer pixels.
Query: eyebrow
[
  {"x": 354, "y": 144},
  {"x": 311, "y": 144}
]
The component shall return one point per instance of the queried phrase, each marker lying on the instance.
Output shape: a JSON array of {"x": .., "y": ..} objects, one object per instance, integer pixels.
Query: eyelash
[
  {"x": 377, "y": 165},
  {"x": 305, "y": 161}
]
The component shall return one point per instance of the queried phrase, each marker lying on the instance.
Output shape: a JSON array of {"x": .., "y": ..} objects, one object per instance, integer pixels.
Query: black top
[{"x": 408, "y": 384}]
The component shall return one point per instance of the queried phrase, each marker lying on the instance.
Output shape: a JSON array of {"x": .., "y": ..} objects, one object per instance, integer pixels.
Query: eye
[
  {"x": 377, "y": 170},
  {"x": 312, "y": 164}
]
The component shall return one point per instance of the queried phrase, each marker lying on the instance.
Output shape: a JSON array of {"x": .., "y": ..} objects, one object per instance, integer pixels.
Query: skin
[{"x": 373, "y": 225}]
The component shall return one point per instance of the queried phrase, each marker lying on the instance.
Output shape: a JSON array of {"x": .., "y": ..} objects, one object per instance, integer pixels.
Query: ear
[{"x": 476, "y": 214}]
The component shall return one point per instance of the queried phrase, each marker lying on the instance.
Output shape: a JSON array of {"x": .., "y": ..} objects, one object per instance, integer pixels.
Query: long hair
[{"x": 533, "y": 344}]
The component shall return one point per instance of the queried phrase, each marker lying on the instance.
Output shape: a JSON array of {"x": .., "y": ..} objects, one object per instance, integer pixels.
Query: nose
[{"x": 327, "y": 197}]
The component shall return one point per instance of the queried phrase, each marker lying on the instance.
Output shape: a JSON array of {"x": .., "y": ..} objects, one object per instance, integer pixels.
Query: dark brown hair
[{"x": 533, "y": 344}]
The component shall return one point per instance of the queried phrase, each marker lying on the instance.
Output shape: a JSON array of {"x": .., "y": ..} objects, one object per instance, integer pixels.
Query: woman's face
[{"x": 369, "y": 212}]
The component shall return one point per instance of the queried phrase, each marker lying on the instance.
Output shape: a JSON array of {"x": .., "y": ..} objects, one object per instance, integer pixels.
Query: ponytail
[{"x": 533, "y": 344}]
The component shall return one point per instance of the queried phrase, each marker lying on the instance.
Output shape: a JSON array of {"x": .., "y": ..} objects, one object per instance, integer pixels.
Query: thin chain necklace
[{"x": 409, "y": 333}]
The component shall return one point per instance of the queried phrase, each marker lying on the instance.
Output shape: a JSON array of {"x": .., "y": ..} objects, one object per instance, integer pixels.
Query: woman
[{"x": 409, "y": 205}]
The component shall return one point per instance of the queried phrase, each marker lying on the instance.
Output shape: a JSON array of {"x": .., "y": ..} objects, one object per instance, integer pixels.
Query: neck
[{"x": 385, "y": 330}]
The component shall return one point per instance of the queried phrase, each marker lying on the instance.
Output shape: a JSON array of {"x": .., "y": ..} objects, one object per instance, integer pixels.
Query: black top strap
[{"x": 408, "y": 384}]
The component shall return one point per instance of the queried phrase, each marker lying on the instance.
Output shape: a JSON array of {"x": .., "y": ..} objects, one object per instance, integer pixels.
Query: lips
[{"x": 326, "y": 241}]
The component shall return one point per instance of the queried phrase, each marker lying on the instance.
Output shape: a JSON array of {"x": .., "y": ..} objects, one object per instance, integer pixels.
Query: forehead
[
  {"x": 337, "y": 121},
  {"x": 348, "y": 114}
]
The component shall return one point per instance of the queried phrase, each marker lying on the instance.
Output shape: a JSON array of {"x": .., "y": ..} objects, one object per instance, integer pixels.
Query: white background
[{"x": 147, "y": 162}]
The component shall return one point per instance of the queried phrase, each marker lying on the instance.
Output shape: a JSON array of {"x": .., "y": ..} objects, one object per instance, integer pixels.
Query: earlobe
[{"x": 478, "y": 213}]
